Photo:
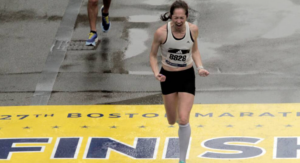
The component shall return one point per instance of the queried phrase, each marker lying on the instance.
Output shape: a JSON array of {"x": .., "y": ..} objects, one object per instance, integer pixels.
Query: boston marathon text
[
  {"x": 153, "y": 115},
  {"x": 210, "y": 115}
]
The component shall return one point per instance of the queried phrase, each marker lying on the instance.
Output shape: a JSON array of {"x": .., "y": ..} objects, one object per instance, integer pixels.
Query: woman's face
[{"x": 179, "y": 18}]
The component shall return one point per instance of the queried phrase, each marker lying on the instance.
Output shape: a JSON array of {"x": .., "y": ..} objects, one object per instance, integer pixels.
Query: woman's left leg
[{"x": 185, "y": 104}]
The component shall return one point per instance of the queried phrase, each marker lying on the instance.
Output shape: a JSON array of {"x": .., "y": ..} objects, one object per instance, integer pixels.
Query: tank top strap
[
  {"x": 169, "y": 27},
  {"x": 169, "y": 36}
]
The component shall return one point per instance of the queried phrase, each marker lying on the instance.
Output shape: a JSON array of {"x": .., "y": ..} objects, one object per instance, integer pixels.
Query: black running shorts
[{"x": 178, "y": 81}]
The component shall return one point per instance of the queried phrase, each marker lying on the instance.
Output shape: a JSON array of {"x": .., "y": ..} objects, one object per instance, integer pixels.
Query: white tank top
[{"x": 177, "y": 52}]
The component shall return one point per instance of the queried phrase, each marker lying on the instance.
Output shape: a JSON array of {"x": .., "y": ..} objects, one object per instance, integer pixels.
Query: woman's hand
[
  {"x": 203, "y": 72},
  {"x": 160, "y": 77}
]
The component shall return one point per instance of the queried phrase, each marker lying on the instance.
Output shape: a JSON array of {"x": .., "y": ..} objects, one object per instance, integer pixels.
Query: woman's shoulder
[
  {"x": 193, "y": 27},
  {"x": 194, "y": 30},
  {"x": 161, "y": 33},
  {"x": 162, "y": 30}
]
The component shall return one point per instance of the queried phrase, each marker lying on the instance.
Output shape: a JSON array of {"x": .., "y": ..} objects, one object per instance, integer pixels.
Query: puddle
[
  {"x": 156, "y": 2},
  {"x": 207, "y": 49},
  {"x": 137, "y": 38},
  {"x": 259, "y": 15},
  {"x": 287, "y": 27},
  {"x": 140, "y": 72},
  {"x": 144, "y": 18}
]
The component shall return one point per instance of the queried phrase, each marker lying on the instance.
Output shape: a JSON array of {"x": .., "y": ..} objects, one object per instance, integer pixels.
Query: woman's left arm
[{"x": 196, "y": 54}]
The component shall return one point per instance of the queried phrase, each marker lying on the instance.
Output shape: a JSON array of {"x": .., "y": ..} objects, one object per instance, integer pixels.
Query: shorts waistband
[{"x": 182, "y": 71}]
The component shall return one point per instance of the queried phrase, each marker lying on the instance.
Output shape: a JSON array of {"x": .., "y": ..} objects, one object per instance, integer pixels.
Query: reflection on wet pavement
[
  {"x": 140, "y": 72},
  {"x": 144, "y": 18},
  {"x": 286, "y": 27},
  {"x": 157, "y": 2},
  {"x": 137, "y": 38}
]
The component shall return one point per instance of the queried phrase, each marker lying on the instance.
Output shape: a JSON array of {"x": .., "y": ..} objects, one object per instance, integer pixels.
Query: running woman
[
  {"x": 179, "y": 48},
  {"x": 92, "y": 14}
]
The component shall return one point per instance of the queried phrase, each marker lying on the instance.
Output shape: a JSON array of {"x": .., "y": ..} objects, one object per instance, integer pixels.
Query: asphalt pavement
[{"x": 251, "y": 49}]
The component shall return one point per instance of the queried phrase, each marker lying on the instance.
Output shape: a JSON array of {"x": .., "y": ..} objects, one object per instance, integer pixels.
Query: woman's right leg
[{"x": 171, "y": 106}]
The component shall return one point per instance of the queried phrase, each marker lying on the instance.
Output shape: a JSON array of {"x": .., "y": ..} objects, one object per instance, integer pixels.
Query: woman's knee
[{"x": 183, "y": 120}]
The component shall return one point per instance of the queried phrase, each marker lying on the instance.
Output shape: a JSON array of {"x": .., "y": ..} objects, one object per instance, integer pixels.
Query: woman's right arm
[{"x": 153, "y": 54}]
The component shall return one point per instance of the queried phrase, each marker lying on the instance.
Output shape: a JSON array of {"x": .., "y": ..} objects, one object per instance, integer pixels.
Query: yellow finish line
[{"x": 242, "y": 133}]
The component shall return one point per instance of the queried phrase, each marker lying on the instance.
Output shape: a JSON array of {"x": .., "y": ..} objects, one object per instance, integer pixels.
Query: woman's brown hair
[{"x": 175, "y": 5}]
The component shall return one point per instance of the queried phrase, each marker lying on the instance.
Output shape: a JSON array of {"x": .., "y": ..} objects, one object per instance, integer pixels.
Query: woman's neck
[{"x": 178, "y": 30}]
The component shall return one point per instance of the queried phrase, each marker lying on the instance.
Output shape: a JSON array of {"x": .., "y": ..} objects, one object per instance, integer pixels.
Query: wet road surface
[{"x": 251, "y": 49}]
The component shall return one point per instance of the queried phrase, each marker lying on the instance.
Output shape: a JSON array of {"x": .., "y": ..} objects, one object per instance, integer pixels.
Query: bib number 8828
[{"x": 177, "y": 57}]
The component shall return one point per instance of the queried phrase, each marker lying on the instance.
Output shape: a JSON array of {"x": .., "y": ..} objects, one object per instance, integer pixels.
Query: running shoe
[
  {"x": 105, "y": 21},
  {"x": 181, "y": 162},
  {"x": 93, "y": 39}
]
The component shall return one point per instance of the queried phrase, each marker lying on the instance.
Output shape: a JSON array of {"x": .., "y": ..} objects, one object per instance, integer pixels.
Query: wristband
[{"x": 200, "y": 67}]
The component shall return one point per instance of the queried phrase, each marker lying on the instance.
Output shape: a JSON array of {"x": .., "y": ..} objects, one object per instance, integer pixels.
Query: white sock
[{"x": 184, "y": 134}]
